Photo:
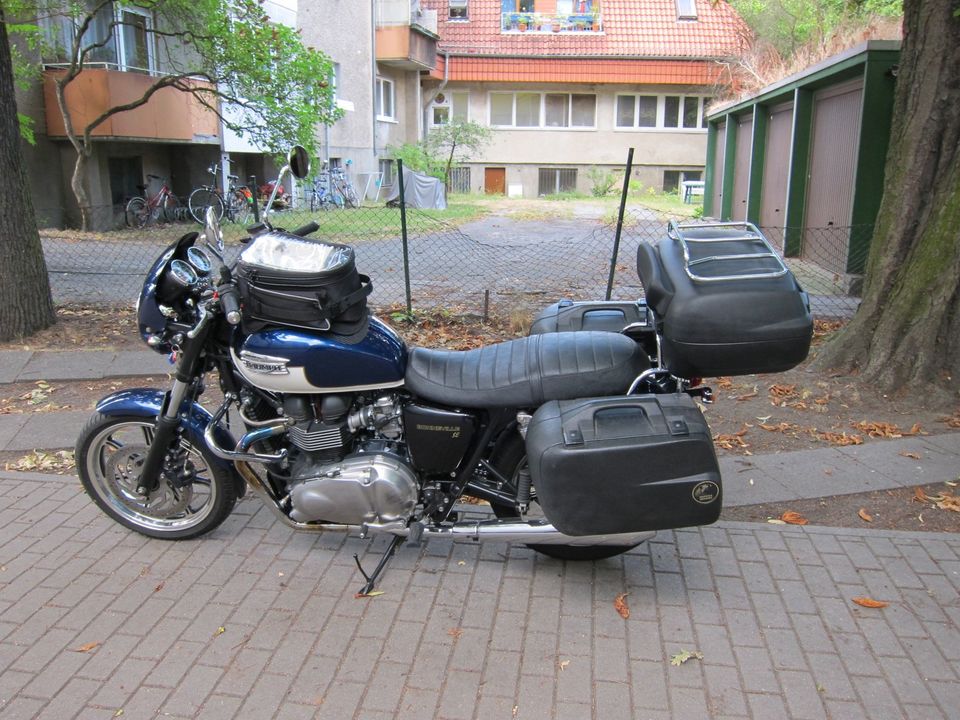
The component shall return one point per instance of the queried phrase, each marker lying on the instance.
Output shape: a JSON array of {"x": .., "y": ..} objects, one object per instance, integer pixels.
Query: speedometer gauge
[
  {"x": 199, "y": 260},
  {"x": 183, "y": 273}
]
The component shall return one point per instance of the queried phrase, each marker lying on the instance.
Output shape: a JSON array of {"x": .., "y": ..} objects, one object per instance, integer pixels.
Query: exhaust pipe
[{"x": 537, "y": 532}]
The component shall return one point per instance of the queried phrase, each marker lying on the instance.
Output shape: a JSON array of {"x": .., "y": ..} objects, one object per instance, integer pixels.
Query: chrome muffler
[{"x": 537, "y": 532}]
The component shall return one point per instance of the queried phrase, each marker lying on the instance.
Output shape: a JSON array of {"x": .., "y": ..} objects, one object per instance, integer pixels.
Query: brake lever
[{"x": 205, "y": 317}]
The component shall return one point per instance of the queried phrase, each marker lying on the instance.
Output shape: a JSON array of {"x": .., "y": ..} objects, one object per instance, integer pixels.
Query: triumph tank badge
[
  {"x": 264, "y": 364},
  {"x": 706, "y": 492}
]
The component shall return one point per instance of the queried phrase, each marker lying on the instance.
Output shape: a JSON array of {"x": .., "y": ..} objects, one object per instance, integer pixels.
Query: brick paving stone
[{"x": 768, "y": 607}]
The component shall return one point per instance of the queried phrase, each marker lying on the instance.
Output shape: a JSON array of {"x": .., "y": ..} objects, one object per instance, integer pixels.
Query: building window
[
  {"x": 557, "y": 180},
  {"x": 663, "y": 111},
  {"x": 386, "y": 173},
  {"x": 385, "y": 100},
  {"x": 115, "y": 37},
  {"x": 452, "y": 106},
  {"x": 458, "y": 9},
  {"x": 673, "y": 178},
  {"x": 686, "y": 9},
  {"x": 549, "y": 110}
]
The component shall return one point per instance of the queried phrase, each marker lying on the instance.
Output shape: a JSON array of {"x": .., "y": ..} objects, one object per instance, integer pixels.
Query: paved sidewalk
[
  {"x": 27, "y": 365},
  {"x": 256, "y": 621}
]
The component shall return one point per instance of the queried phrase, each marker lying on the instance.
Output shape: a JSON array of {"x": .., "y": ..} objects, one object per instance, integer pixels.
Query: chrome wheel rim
[{"x": 112, "y": 464}]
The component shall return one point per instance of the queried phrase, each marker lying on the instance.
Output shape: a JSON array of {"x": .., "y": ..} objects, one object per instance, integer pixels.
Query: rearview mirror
[{"x": 299, "y": 161}]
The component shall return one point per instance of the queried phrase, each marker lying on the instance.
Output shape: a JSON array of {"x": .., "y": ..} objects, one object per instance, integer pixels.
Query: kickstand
[{"x": 381, "y": 566}]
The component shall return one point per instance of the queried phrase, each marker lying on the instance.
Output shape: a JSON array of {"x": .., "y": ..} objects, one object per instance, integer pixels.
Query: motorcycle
[{"x": 584, "y": 437}]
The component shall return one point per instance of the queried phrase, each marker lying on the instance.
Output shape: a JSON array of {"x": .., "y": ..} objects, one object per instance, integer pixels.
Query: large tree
[
  {"x": 25, "y": 304},
  {"x": 907, "y": 330},
  {"x": 256, "y": 75}
]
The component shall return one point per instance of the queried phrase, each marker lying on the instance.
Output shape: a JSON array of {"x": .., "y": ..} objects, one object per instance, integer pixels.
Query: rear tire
[
  {"x": 508, "y": 461},
  {"x": 109, "y": 452},
  {"x": 137, "y": 213}
]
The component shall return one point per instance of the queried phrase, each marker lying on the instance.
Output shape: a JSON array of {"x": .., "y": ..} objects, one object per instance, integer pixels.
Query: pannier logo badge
[
  {"x": 264, "y": 364},
  {"x": 706, "y": 492}
]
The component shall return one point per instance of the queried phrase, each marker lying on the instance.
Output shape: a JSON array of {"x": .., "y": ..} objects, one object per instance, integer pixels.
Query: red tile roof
[{"x": 631, "y": 29}]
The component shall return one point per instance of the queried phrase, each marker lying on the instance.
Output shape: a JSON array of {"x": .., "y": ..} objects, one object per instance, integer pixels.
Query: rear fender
[{"x": 147, "y": 402}]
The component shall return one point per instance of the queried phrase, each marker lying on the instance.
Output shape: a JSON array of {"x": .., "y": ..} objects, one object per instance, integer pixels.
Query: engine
[{"x": 350, "y": 469}]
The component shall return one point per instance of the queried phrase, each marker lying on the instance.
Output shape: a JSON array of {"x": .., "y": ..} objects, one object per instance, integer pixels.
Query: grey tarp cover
[{"x": 421, "y": 191}]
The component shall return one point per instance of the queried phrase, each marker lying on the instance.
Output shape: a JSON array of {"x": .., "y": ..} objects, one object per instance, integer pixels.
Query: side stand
[{"x": 381, "y": 566}]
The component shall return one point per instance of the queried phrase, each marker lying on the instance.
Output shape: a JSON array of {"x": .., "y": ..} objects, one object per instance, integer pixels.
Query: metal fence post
[
  {"x": 252, "y": 184},
  {"x": 403, "y": 237},
  {"x": 616, "y": 237}
]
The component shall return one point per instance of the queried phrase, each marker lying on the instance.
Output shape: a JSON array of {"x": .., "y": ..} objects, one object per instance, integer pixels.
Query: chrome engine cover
[{"x": 361, "y": 488}]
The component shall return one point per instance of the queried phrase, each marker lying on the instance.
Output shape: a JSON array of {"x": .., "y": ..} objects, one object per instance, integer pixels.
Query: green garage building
[{"x": 804, "y": 157}]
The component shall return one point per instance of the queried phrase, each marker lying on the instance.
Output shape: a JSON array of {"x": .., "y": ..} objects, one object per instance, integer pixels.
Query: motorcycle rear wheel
[
  {"x": 508, "y": 461},
  {"x": 109, "y": 451}
]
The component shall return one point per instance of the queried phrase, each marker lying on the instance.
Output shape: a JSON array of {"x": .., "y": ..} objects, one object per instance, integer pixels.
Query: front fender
[{"x": 146, "y": 403}]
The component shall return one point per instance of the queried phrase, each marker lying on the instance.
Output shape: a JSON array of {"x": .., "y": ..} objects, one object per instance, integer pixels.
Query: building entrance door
[{"x": 495, "y": 181}]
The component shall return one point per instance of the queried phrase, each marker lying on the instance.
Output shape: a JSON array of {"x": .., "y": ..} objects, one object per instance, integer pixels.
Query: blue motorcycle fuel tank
[{"x": 292, "y": 360}]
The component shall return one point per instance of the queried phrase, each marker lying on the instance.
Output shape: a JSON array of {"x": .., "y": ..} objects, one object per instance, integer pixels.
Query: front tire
[
  {"x": 109, "y": 452},
  {"x": 202, "y": 198},
  {"x": 137, "y": 213},
  {"x": 509, "y": 459}
]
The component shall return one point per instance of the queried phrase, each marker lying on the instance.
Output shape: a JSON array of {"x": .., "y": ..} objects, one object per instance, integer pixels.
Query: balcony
[
  {"x": 170, "y": 115},
  {"x": 406, "y": 35},
  {"x": 542, "y": 23}
]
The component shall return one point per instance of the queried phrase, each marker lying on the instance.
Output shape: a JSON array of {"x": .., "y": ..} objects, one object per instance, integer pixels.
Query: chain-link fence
[{"x": 477, "y": 261}]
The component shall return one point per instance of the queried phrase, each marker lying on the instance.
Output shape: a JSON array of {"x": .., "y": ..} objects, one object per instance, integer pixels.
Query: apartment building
[{"x": 571, "y": 84}]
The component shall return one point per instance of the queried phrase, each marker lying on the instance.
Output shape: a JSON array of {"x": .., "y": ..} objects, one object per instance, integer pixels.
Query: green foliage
[
  {"x": 224, "y": 52},
  {"x": 416, "y": 158},
  {"x": 790, "y": 24},
  {"x": 456, "y": 141},
  {"x": 603, "y": 181}
]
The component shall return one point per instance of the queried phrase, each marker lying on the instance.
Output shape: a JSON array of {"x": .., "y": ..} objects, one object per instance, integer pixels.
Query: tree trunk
[
  {"x": 25, "y": 302},
  {"x": 907, "y": 330}
]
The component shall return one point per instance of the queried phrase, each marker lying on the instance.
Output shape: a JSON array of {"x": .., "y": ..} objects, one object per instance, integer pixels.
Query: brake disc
[{"x": 123, "y": 472}]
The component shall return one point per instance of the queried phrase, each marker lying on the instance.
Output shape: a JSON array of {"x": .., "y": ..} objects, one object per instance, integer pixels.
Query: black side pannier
[
  {"x": 725, "y": 302},
  {"x": 285, "y": 280},
  {"x": 623, "y": 464}
]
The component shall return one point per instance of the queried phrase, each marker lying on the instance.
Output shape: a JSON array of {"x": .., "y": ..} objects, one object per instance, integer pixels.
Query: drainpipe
[
  {"x": 373, "y": 70},
  {"x": 433, "y": 96}
]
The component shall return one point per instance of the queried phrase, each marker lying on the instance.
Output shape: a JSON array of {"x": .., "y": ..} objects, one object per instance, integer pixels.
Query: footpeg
[{"x": 416, "y": 533}]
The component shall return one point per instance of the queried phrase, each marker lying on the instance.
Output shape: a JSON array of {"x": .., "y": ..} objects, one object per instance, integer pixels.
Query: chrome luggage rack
[{"x": 748, "y": 233}]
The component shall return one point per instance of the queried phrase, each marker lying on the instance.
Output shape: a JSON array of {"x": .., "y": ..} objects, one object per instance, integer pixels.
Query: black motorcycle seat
[{"x": 527, "y": 372}]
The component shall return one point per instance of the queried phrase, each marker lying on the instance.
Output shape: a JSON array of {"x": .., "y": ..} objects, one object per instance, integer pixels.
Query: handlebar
[
  {"x": 229, "y": 299},
  {"x": 304, "y": 230}
]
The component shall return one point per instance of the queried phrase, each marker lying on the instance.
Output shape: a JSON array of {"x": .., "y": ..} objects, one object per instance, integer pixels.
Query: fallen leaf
[
  {"x": 220, "y": 631},
  {"x": 878, "y": 429},
  {"x": 118, "y": 713},
  {"x": 916, "y": 429},
  {"x": 159, "y": 586},
  {"x": 865, "y": 516},
  {"x": 911, "y": 455},
  {"x": 870, "y": 602},
  {"x": 681, "y": 657},
  {"x": 455, "y": 633},
  {"x": 620, "y": 604},
  {"x": 747, "y": 396},
  {"x": 839, "y": 438},
  {"x": 86, "y": 647},
  {"x": 793, "y": 518},
  {"x": 948, "y": 501},
  {"x": 919, "y": 495},
  {"x": 371, "y": 594},
  {"x": 563, "y": 664},
  {"x": 775, "y": 521}
]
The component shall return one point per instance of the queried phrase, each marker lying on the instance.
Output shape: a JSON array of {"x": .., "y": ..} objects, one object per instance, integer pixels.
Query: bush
[{"x": 604, "y": 181}]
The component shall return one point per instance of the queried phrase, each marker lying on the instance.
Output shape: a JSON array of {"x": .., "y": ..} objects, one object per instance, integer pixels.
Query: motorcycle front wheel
[
  {"x": 193, "y": 497},
  {"x": 509, "y": 461}
]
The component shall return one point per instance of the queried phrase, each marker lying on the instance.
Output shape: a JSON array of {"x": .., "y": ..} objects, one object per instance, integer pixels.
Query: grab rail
[{"x": 750, "y": 233}]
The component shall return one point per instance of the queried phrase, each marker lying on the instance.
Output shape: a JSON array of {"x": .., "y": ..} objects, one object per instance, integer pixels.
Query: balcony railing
[{"x": 519, "y": 22}]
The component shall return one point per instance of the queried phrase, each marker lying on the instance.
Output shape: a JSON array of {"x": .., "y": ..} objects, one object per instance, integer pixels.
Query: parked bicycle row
[{"x": 330, "y": 189}]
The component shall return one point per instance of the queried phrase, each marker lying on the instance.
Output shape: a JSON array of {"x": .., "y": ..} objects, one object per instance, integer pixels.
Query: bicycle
[
  {"x": 140, "y": 211},
  {"x": 332, "y": 189},
  {"x": 237, "y": 205}
]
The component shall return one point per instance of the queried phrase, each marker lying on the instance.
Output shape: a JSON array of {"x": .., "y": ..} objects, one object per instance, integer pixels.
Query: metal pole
[
  {"x": 616, "y": 237},
  {"x": 403, "y": 238}
]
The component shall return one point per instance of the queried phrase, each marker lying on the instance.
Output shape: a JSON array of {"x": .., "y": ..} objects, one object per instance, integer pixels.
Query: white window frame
[
  {"x": 382, "y": 84},
  {"x": 448, "y": 104},
  {"x": 543, "y": 112},
  {"x": 686, "y": 9},
  {"x": 458, "y": 5},
  {"x": 121, "y": 42},
  {"x": 661, "y": 113}
]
